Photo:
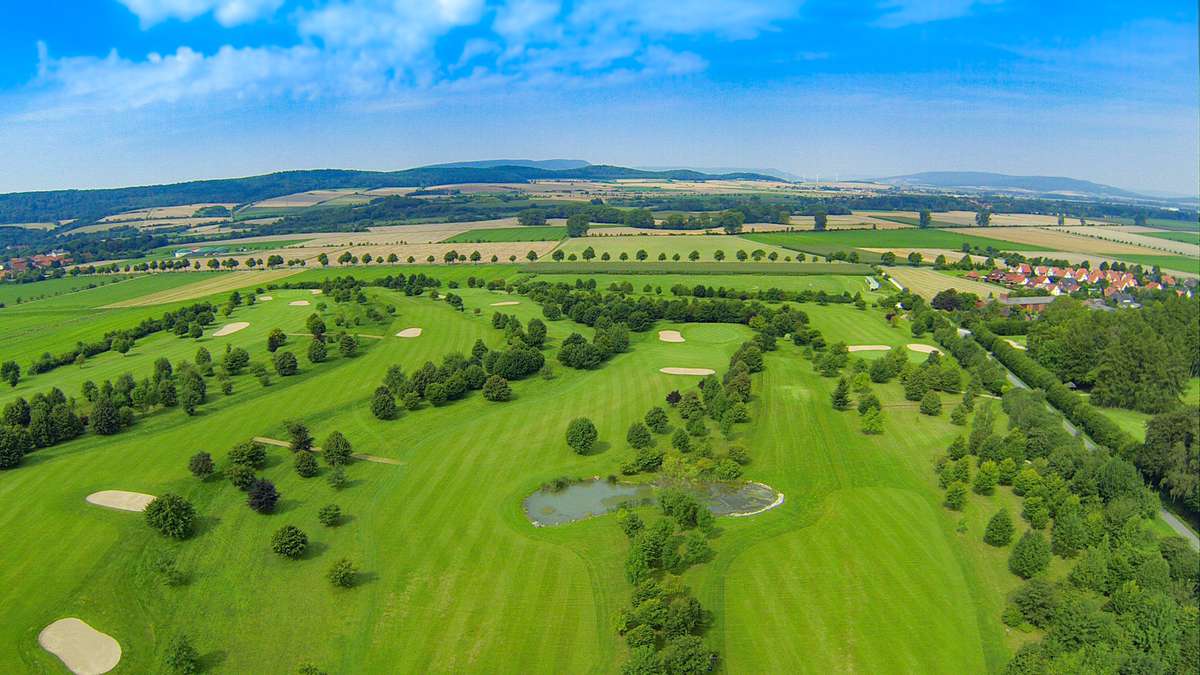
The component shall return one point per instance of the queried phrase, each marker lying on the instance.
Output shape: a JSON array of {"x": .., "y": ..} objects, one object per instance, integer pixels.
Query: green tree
[
  {"x": 383, "y": 404},
  {"x": 1069, "y": 535},
  {"x": 182, "y": 657},
  {"x": 171, "y": 515},
  {"x": 235, "y": 360},
  {"x": 999, "y": 531},
  {"x": 342, "y": 573},
  {"x": 330, "y": 515},
  {"x": 306, "y": 465},
  {"x": 841, "y": 395},
  {"x": 298, "y": 435},
  {"x": 317, "y": 352},
  {"x": 956, "y": 496},
  {"x": 657, "y": 420},
  {"x": 581, "y": 435},
  {"x": 289, "y": 541},
  {"x": 496, "y": 388},
  {"x": 986, "y": 478},
  {"x": 285, "y": 363},
  {"x": 639, "y": 436},
  {"x": 872, "y": 422},
  {"x": 577, "y": 224},
  {"x": 348, "y": 345},
  {"x": 201, "y": 465},
  {"x": 1030, "y": 556},
  {"x": 925, "y": 218},
  {"x": 276, "y": 339},
  {"x": 337, "y": 450},
  {"x": 10, "y": 372}
]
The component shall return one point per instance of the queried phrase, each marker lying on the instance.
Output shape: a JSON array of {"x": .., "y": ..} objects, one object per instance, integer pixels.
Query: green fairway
[
  {"x": 904, "y": 238},
  {"x": 531, "y": 233},
  {"x": 706, "y": 269},
  {"x": 748, "y": 282},
  {"x": 859, "y": 569},
  {"x": 12, "y": 294}
]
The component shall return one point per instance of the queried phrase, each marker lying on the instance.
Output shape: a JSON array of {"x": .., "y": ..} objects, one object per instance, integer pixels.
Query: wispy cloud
[
  {"x": 898, "y": 13},
  {"x": 227, "y": 12}
]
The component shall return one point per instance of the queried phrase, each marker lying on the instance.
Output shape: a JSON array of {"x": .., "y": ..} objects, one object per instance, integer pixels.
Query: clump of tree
[
  {"x": 289, "y": 541},
  {"x": 172, "y": 515}
]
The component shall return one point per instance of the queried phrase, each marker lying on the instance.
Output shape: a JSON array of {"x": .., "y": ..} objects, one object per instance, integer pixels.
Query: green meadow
[
  {"x": 859, "y": 569},
  {"x": 902, "y": 238},
  {"x": 502, "y": 234}
]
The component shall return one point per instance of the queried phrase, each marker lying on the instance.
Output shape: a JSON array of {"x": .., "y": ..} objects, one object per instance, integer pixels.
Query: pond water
[{"x": 596, "y": 497}]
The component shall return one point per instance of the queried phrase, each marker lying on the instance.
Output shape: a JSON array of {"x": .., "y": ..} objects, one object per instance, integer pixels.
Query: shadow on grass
[{"x": 212, "y": 660}]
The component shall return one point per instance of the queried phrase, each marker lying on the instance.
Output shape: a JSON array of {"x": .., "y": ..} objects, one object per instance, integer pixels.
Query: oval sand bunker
[
  {"x": 264, "y": 298},
  {"x": 409, "y": 333},
  {"x": 231, "y": 328},
  {"x": 299, "y": 303},
  {"x": 506, "y": 303},
  {"x": 82, "y": 649},
  {"x": 687, "y": 371},
  {"x": 670, "y": 336},
  {"x": 868, "y": 348},
  {"x": 923, "y": 349},
  {"x": 120, "y": 499}
]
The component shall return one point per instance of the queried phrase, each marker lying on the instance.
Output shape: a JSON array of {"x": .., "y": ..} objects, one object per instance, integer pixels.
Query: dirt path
[{"x": 358, "y": 455}]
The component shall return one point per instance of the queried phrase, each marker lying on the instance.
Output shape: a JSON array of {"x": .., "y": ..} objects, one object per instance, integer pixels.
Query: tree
[
  {"x": 531, "y": 216},
  {"x": 286, "y": 363},
  {"x": 577, "y": 224},
  {"x": 330, "y": 515},
  {"x": 263, "y": 496},
  {"x": 1030, "y": 556},
  {"x": 496, "y": 389},
  {"x": 1069, "y": 535},
  {"x": 337, "y": 450},
  {"x": 999, "y": 531},
  {"x": 348, "y": 345},
  {"x": 639, "y": 436},
  {"x": 337, "y": 478},
  {"x": 15, "y": 443},
  {"x": 236, "y": 360},
  {"x": 298, "y": 435},
  {"x": 306, "y": 465},
  {"x": 383, "y": 404},
  {"x": 581, "y": 435},
  {"x": 342, "y": 573},
  {"x": 105, "y": 419},
  {"x": 956, "y": 496},
  {"x": 986, "y": 479},
  {"x": 820, "y": 219},
  {"x": 317, "y": 352},
  {"x": 249, "y": 454},
  {"x": 276, "y": 339},
  {"x": 242, "y": 477},
  {"x": 983, "y": 217},
  {"x": 201, "y": 465},
  {"x": 315, "y": 325},
  {"x": 872, "y": 422},
  {"x": 171, "y": 515},
  {"x": 931, "y": 404},
  {"x": 289, "y": 541},
  {"x": 657, "y": 420},
  {"x": 841, "y": 395},
  {"x": 925, "y": 218},
  {"x": 182, "y": 657}
]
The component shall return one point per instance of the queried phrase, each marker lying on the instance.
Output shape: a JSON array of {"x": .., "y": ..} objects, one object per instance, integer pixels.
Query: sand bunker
[
  {"x": 409, "y": 333},
  {"x": 688, "y": 371},
  {"x": 1014, "y": 344},
  {"x": 924, "y": 349},
  {"x": 670, "y": 336},
  {"x": 299, "y": 303},
  {"x": 120, "y": 499},
  {"x": 264, "y": 298},
  {"x": 82, "y": 649},
  {"x": 868, "y": 348},
  {"x": 506, "y": 303},
  {"x": 316, "y": 291},
  {"x": 230, "y": 328}
]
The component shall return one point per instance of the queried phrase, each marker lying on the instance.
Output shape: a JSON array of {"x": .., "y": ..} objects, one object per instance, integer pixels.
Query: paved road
[{"x": 1169, "y": 518}]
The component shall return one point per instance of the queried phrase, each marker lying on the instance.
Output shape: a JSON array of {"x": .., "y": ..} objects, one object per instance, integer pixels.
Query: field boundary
[{"x": 786, "y": 269}]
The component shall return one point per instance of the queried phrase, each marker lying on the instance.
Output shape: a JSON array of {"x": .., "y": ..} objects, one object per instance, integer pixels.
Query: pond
[{"x": 595, "y": 497}]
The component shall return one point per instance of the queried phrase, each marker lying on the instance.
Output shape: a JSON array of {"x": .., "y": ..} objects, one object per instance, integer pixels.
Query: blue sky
[{"x": 114, "y": 92}]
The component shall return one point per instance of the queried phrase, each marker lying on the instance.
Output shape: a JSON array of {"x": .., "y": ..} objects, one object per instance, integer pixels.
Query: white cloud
[
  {"x": 900, "y": 13},
  {"x": 737, "y": 19},
  {"x": 227, "y": 12}
]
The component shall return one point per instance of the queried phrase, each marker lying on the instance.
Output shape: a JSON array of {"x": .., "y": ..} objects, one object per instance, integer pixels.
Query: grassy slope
[
  {"x": 547, "y": 233},
  {"x": 40, "y": 290},
  {"x": 904, "y": 238},
  {"x": 446, "y": 550}
]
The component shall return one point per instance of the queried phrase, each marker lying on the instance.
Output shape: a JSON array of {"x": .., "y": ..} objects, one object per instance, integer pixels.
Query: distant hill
[
  {"x": 87, "y": 205},
  {"x": 776, "y": 173},
  {"x": 998, "y": 182},
  {"x": 549, "y": 164}
]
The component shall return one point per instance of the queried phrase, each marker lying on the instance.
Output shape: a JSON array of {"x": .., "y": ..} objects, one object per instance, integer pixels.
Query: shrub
[
  {"x": 306, "y": 465},
  {"x": 171, "y": 515},
  {"x": 242, "y": 477},
  {"x": 956, "y": 496},
  {"x": 342, "y": 573},
  {"x": 581, "y": 435},
  {"x": 249, "y": 454},
  {"x": 285, "y": 363},
  {"x": 657, "y": 420},
  {"x": 999, "y": 530},
  {"x": 182, "y": 657},
  {"x": 337, "y": 478},
  {"x": 337, "y": 450},
  {"x": 639, "y": 436},
  {"x": 298, "y": 435},
  {"x": 201, "y": 465},
  {"x": 330, "y": 515},
  {"x": 263, "y": 496},
  {"x": 289, "y": 541},
  {"x": 1030, "y": 556},
  {"x": 496, "y": 389},
  {"x": 317, "y": 351},
  {"x": 383, "y": 404},
  {"x": 931, "y": 403}
]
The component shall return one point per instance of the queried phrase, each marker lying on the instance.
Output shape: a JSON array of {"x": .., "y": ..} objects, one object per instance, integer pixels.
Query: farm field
[
  {"x": 200, "y": 288},
  {"x": 523, "y": 233},
  {"x": 1185, "y": 237},
  {"x": 12, "y": 294},
  {"x": 749, "y": 282},
  {"x": 682, "y": 244},
  {"x": 1048, "y": 239},
  {"x": 1179, "y": 263},
  {"x": 928, "y": 282},
  {"x": 905, "y": 238},
  {"x": 1136, "y": 237},
  {"x": 440, "y": 536}
]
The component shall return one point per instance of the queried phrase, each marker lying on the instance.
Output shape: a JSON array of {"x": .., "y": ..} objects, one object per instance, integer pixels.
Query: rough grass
[
  {"x": 860, "y": 568},
  {"x": 703, "y": 268},
  {"x": 749, "y": 282}
]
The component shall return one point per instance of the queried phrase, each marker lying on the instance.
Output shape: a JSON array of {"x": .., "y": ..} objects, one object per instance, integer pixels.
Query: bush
[
  {"x": 657, "y": 420},
  {"x": 931, "y": 403},
  {"x": 496, "y": 389},
  {"x": 956, "y": 496},
  {"x": 383, "y": 404},
  {"x": 1030, "y": 556},
  {"x": 182, "y": 657},
  {"x": 298, "y": 435},
  {"x": 263, "y": 496},
  {"x": 337, "y": 478},
  {"x": 172, "y": 516},
  {"x": 330, "y": 515},
  {"x": 289, "y": 541},
  {"x": 342, "y": 573},
  {"x": 201, "y": 465},
  {"x": 999, "y": 530},
  {"x": 242, "y": 477},
  {"x": 639, "y": 436},
  {"x": 286, "y": 364},
  {"x": 317, "y": 351},
  {"x": 581, "y": 435},
  {"x": 249, "y": 454},
  {"x": 337, "y": 450},
  {"x": 306, "y": 465}
]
